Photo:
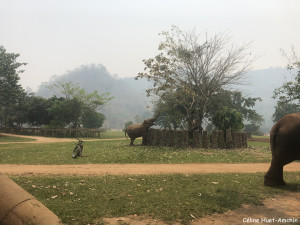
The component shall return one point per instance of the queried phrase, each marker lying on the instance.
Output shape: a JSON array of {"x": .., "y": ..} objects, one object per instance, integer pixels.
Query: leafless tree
[{"x": 192, "y": 67}]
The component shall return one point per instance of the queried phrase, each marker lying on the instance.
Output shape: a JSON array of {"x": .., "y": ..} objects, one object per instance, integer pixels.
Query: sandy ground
[
  {"x": 278, "y": 210},
  {"x": 48, "y": 139},
  {"x": 139, "y": 169}
]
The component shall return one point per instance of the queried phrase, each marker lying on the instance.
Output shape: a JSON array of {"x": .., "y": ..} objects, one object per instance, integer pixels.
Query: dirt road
[{"x": 138, "y": 169}]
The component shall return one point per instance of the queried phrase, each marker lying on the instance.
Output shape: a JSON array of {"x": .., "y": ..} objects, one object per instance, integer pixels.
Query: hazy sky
[{"x": 54, "y": 36}]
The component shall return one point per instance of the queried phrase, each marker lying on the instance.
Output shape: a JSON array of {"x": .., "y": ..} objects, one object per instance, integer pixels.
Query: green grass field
[
  {"x": 15, "y": 139},
  {"x": 119, "y": 151},
  {"x": 171, "y": 198}
]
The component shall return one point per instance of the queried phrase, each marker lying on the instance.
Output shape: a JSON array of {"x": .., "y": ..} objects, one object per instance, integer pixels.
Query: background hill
[
  {"x": 262, "y": 83},
  {"x": 130, "y": 102}
]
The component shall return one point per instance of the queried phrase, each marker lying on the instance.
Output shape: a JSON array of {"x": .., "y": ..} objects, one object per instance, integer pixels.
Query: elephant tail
[
  {"x": 125, "y": 133},
  {"x": 273, "y": 137}
]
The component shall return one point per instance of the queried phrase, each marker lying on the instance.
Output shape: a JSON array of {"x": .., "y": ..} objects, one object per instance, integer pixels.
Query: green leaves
[
  {"x": 77, "y": 106},
  {"x": 228, "y": 118},
  {"x": 10, "y": 91},
  {"x": 289, "y": 92}
]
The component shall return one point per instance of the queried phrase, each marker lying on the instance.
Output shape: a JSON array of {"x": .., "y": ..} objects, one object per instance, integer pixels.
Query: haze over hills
[
  {"x": 129, "y": 94},
  {"x": 262, "y": 83},
  {"x": 130, "y": 102}
]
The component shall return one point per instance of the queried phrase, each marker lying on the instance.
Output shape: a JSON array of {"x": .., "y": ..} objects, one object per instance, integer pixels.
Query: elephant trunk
[{"x": 155, "y": 117}]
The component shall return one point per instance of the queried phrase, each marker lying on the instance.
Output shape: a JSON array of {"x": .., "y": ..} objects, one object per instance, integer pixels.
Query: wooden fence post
[
  {"x": 196, "y": 139},
  {"x": 163, "y": 137},
  {"x": 221, "y": 139},
  {"x": 156, "y": 137},
  {"x": 205, "y": 139},
  {"x": 172, "y": 134},
  {"x": 214, "y": 139},
  {"x": 228, "y": 138},
  {"x": 149, "y": 137},
  {"x": 234, "y": 139}
]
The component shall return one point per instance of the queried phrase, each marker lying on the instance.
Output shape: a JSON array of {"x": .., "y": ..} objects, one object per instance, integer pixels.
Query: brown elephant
[
  {"x": 140, "y": 130},
  {"x": 285, "y": 147}
]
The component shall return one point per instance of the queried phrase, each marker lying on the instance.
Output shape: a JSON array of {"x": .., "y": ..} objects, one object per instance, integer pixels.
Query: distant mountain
[
  {"x": 262, "y": 83},
  {"x": 130, "y": 96}
]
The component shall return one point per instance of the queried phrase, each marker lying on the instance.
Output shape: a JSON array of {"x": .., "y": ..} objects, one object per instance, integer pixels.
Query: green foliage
[
  {"x": 283, "y": 108},
  {"x": 228, "y": 118},
  {"x": 10, "y": 91},
  {"x": 235, "y": 100},
  {"x": 289, "y": 92},
  {"x": 34, "y": 110},
  {"x": 92, "y": 119},
  {"x": 76, "y": 106},
  {"x": 127, "y": 124},
  {"x": 68, "y": 111},
  {"x": 70, "y": 90}
]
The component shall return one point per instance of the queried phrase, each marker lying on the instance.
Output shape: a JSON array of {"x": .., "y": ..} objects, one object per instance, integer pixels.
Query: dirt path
[
  {"x": 38, "y": 139},
  {"x": 139, "y": 169}
]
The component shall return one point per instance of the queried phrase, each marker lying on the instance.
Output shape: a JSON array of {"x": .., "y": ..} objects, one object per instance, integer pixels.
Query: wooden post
[
  {"x": 178, "y": 139},
  {"x": 205, "y": 140},
  {"x": 196, "y": 139},
  {"x": 228, "y": 138},
  {"x": 221, "y": 139},
  {"x": 234, "y": 139},
  {"x": 185, "y": 138},
  {"x": 244, "y": 140},
  {"x": 150, "y": 136},
  {"x": 239, "y": 139},
  {"x": 214, "y": 139},
  {"x": 162, "y": 137},
  {"x": 156, "y": 138},
  {"x": 171, "y": 135}
]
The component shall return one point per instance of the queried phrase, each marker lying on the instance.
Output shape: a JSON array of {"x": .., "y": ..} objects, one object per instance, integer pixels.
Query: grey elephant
[
  {"x": 285, "y": 147},
  {"x": 140, "y": 130}
]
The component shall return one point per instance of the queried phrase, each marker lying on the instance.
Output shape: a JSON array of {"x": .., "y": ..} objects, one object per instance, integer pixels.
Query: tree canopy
[
  {"x": 289, "y": 93},
  {"x": 75, "y": 106},
  {"x": 191, "y": 68},
  {"x": 10, "y": 89}
]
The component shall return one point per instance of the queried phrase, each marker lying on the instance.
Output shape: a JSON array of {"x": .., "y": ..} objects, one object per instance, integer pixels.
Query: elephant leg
[
  {"x": 131, "y": 142},
  {"x": 274, "y": 176}
]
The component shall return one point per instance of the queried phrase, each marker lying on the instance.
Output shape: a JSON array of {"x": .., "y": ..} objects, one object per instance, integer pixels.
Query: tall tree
[
  {"x": 236, "y": 100},
  {"x": 192, "y": 69},
  {"x": 33, "y": 110},
  {"x": 10, "y": 89},
  {"x": 92, "y": 119},
  {"x": 75, "y": 104}
]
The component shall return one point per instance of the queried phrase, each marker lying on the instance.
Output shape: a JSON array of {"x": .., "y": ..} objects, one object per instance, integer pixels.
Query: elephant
[
  {"x": 285, "y": 147},
  {"x": 140, "y": 130}
]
